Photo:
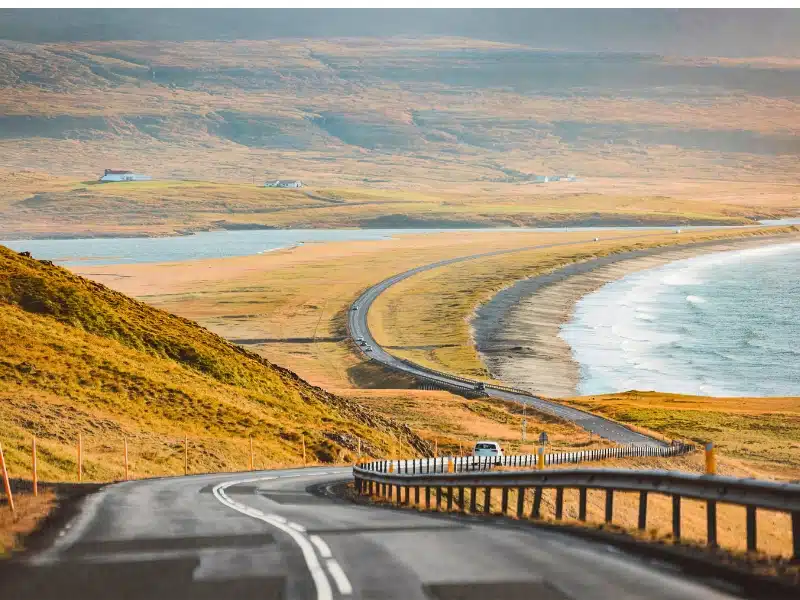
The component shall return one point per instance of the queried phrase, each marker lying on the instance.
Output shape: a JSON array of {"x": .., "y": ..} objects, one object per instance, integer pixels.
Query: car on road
[
  {"x": 480, "y": 387},
  {"x": 488, "y": 448},
  {"x": 355, "y": 307},
  {"x": 368, "y": 349},
  {"x": 362, "y": 343}
]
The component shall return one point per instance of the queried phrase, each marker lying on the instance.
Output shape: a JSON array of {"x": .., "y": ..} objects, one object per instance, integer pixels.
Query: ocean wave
[{"x": 695, "y": 299}]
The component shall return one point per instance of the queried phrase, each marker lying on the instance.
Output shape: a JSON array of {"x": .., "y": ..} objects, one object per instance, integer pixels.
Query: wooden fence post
[
  {"x": 186, "y": 455},
  {"x": 125, "y": 446},
  {"x": 6, "y": 482},
  {"x": 34, "y": 469},
  {"x": 711, "y": 459},
  {"x": 304, "y": 450},
  {"x": 252, "y": 460},
  {"x": 80, "y": 457}
]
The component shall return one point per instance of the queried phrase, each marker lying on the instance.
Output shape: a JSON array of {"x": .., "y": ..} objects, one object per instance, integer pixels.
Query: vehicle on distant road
[
  {"x": 480, "y": 387},
  {"x": 368, "y": 349},
  {"x": 488, "y": 448},
  {"x": 355, "y": 307}
]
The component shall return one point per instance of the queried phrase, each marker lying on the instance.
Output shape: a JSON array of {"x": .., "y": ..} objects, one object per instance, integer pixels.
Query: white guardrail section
[{"x": 459, "y": 477}]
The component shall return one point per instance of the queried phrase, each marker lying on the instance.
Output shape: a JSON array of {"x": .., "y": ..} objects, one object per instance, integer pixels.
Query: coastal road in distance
[
  {"x": 270, "y": 535},
  {"x": 359, "y": 328}
]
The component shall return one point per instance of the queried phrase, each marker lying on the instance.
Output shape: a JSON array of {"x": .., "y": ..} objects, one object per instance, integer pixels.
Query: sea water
[{"x": 724, "y": 324}]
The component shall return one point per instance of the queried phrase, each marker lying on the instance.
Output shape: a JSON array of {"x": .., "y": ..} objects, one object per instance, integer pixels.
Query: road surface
[
  {"x": 359, "y": 328},
  {"x": 264, "y": 536}
]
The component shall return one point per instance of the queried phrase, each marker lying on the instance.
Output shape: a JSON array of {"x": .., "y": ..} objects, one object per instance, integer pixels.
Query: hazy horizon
[{"x": 677, "y": 32}]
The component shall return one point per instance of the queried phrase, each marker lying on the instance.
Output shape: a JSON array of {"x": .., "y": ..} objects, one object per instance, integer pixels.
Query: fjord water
[{"x": 725, "y": 324}]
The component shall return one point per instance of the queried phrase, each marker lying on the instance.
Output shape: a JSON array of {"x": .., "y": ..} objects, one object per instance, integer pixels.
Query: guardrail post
[
  {"x": 536, "y": 512},
  {"x": 371, "y": 488},
  {"x": 711, "y": 523},
  {"x": 438, "y": 498},
  {"x": 520, "y": 502},
  {"x": 504, "y": 501},
  {"x": 752, "y": 535},
  {"x": 711, "y": 459},
  {"x": 460, "y": 500},
  {"x": 609, "y": 505},
  {"x": 559, "y": 503},
  {"x": 796, "y": 535},
  {"x": 642, "y": 510},
  {"x": 427, "y": 498},
  {"x": 473, "y": 500},
  {"x": 676, "y": 517},
  {"x": 449, "y": 499},
  {"x": 582, "y": 504},
  {"x": 487, "y": 500},
  {"x": 540, "y": 458},
  {"x": 399, "y": 493}
]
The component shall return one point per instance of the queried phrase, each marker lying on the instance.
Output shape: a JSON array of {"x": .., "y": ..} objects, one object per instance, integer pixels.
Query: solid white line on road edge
[
  {"x": 323, "y": 548},
  {"x": 321, "y": 583},
  {"x": 342, "y": 582}
]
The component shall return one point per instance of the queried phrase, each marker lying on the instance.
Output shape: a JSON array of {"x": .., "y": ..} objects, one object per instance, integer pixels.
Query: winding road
[
  {"x": 271, "y": 535},
  {"x": 359, "y": 328}
]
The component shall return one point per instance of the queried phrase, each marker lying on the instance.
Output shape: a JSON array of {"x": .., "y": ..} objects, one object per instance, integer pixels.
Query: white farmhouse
[
  {"x": 284, "y": 183},
  {"x": 117, "y": 175}
]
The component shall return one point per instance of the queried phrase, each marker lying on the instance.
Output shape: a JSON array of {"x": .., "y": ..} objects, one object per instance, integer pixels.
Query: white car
[
  {"x": 487, "y": 448},
  {"x": 368, "y": 349}
]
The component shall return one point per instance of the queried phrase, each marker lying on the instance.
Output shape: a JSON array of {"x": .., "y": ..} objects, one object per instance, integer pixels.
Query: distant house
[
  {"x": 117, "y": 175},
  {"x": 284, "y": 183}
]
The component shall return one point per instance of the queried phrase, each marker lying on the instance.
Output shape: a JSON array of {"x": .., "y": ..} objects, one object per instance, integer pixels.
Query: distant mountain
[
  {"x": 679, "y": 32},
  {"x": 397, "y": 110}
]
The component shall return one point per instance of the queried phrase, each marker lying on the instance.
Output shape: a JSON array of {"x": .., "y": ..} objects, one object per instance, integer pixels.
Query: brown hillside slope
[{"x": 77, "y": 357}]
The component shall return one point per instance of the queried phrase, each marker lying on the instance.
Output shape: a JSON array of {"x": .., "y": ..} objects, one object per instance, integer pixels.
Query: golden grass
[
  {"x": 36, "y": 204},
  {"x": 454, "y": 423},
  {"x": 80, "y": 358},
  {"x": 762, "y": 433},
  {"x": 30, "y": 510}
]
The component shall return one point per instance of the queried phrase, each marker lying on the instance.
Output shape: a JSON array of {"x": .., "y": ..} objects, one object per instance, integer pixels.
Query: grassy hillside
[{"x": 77, "y": 357}]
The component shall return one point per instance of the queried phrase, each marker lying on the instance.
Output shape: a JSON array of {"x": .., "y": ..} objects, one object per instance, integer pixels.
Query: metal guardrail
[{"x": 376, "y": 478}]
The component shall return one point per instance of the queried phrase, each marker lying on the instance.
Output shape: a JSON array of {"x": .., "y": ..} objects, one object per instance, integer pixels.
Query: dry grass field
[
  {"x": 34, "y": 204},
  {"x": 762, "y": 433}
]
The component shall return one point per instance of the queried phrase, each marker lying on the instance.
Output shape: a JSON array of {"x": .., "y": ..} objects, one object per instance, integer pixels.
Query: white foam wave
[{"x": 695, "y": 299}]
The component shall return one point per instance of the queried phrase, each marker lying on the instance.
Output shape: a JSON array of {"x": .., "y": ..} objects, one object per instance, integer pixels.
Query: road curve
[
  {"x": 358, "y": 328},
  {"x": 265, "y": 536}
]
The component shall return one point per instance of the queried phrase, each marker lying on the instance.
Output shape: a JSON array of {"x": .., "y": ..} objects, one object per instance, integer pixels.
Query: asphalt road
[
  {"x": 359, "y": 329},
  {"x": 264, "y": 536}
]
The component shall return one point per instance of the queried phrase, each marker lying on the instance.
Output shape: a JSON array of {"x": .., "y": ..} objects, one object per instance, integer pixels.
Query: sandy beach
[{"x": 517, "y": 332}]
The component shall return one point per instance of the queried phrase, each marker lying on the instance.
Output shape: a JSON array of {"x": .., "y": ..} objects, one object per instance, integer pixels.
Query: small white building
[
  {"x": 284, "y": 183},
  {"x": 117, "y": 175}
]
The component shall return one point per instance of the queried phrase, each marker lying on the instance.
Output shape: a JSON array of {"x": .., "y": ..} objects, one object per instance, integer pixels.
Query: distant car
[
  {"x": 355, "y": 307},
  {"x": 596, "y": 239},
  {"x": 362, "y": 343},
  {"x": 359, "y": 340},
  {"x": 677, "y": 231},
  {"x": 368, "y": 349},
  {"x": 488, "y": 448},
  {"x": 480, "y": 387}
]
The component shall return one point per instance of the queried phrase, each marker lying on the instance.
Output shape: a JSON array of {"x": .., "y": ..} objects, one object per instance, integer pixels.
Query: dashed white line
[
  {"x": 318, "y": 575},
  {"x": 323, "y": 548},
  {"x": 342, "y": 582}
]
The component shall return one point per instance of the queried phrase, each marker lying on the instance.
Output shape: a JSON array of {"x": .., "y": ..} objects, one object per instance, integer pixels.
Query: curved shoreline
[{"x": 516, "y": 333}]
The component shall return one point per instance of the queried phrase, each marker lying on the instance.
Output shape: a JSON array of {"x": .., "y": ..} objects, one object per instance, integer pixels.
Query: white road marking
[
  {"x": 342, "y": 582},
  {"x": 298, "y": 533},
  {"x": 322, "y": 547}
]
